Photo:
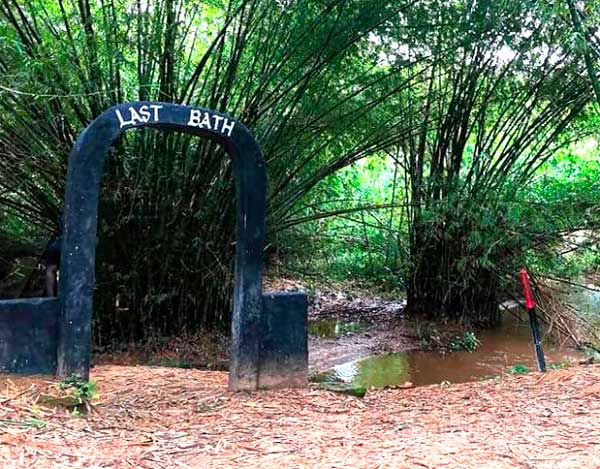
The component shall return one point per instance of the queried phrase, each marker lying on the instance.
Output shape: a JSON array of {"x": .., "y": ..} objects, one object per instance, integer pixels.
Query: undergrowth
[
  {"x": 81, "y": 390},
  {"x": 468, "y": 342}
]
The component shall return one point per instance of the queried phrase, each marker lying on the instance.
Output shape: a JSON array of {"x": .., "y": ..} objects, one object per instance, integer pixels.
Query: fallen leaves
[{"x": 152, "y": 417}]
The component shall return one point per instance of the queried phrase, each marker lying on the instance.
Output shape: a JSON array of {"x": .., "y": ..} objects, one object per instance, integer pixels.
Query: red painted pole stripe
[{"x": 525, "y": 283}]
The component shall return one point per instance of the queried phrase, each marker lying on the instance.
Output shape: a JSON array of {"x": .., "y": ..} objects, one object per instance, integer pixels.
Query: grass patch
[{"x": 519, "y": 369}]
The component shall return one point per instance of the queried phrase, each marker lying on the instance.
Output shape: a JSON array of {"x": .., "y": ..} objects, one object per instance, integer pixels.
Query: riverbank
[
  {"x": 347, "y": 326},
  {"x": 157, "y": 417}
]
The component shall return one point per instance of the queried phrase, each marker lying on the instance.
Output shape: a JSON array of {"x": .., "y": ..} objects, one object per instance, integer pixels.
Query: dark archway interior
[{"x": 164, "y": 266}]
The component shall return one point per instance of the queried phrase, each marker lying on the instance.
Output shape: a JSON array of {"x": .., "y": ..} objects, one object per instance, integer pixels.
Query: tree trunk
[{"x": 438, "y": 289}]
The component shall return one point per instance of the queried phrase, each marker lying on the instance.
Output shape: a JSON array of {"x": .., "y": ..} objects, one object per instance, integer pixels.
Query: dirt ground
[
  {"x": 155, "y": 417},
  {"x": 381, "y": 329}
]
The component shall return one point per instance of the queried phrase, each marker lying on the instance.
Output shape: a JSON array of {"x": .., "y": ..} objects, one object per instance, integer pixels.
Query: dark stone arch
[{"x": 85, "y": 171}]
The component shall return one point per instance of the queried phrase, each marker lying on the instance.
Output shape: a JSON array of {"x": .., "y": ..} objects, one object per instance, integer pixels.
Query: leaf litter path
[{"x": 150, "y": 417}]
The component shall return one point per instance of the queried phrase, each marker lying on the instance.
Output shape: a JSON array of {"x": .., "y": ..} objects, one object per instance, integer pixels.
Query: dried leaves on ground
[{"x": 149, "y": 417}]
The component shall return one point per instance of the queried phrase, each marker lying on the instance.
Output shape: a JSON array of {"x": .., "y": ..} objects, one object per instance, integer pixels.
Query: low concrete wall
[
  {"x": 29, "y": 338},
  {"x": 29, "y": 335}
]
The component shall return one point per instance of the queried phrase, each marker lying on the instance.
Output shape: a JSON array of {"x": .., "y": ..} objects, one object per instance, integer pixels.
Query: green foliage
[
  {"x": 559, "y": 366},
  {"x": 433, "y": 147},
  {"x": 562, "y": 208},
  {"x": 519, "y": 369},
  {"x": 483, "y": 138},
  {"x": 502, "y": 168},
  {"x": 36, "y": 423},
  {"x": 425, "y": 332},
  {"x": 84, "y": 391},
  {"x": 468, "y": 342},
  {"x": 30, "y": 422},
  {"x": 592, "y": 353}
]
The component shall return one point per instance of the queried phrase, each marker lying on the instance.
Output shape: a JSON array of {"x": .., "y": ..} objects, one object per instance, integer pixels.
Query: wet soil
[
  {"x": 344, "y": 328},
  {"x": 367, "y": 342}
]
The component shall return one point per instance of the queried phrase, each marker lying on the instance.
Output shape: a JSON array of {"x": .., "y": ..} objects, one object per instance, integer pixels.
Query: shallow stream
[{"x": 505, "y": 349}]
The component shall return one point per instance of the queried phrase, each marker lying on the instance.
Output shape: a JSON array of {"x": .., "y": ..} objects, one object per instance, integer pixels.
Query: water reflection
[{"x": 332, "y": 328}]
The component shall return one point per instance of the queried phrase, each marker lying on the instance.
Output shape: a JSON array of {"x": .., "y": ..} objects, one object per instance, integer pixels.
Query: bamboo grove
[{"x": 466, "y": 100}]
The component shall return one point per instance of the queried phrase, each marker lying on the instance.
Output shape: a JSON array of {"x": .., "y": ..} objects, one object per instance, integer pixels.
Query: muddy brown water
[{"x": 506, "y": 349}]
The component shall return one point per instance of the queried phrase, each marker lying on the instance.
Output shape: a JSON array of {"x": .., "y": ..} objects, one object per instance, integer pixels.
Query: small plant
[
  {"x": 468, "y": 342},
  {"x": 519, "y": 369},
  {"x": 31, "y": 422},
  {"x": 81, "y": 390},
  {"x": 424, "y": 331},
  {"x": 428, "y": 335},
  {"x": 36, "y": 423}
]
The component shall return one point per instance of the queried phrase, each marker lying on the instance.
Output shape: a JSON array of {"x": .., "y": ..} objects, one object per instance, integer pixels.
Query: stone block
[
  {"x": 29, "y": 335},
  {"x": 283, "y": 359}
]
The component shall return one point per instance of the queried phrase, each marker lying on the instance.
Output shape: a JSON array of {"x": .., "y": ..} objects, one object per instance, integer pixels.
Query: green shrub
[
  {"x": 468, "y": 342},
  {"x": 519, "y": 369},
  {"x": 82, "y": 390}
]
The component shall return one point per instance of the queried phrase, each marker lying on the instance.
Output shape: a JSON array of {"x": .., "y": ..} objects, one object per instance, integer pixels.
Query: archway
[{"x": 85, "y": 171}]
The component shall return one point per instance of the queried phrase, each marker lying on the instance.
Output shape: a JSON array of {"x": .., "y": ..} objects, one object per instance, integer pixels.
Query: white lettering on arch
[
  {"x": 142, "y": 115},
  {"x": 197, "y": 118},
  {"x": 207, "y": 120}
]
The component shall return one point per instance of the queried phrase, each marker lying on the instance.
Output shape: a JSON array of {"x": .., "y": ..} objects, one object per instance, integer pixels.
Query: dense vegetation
[{"x": 428, "y": 146}]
